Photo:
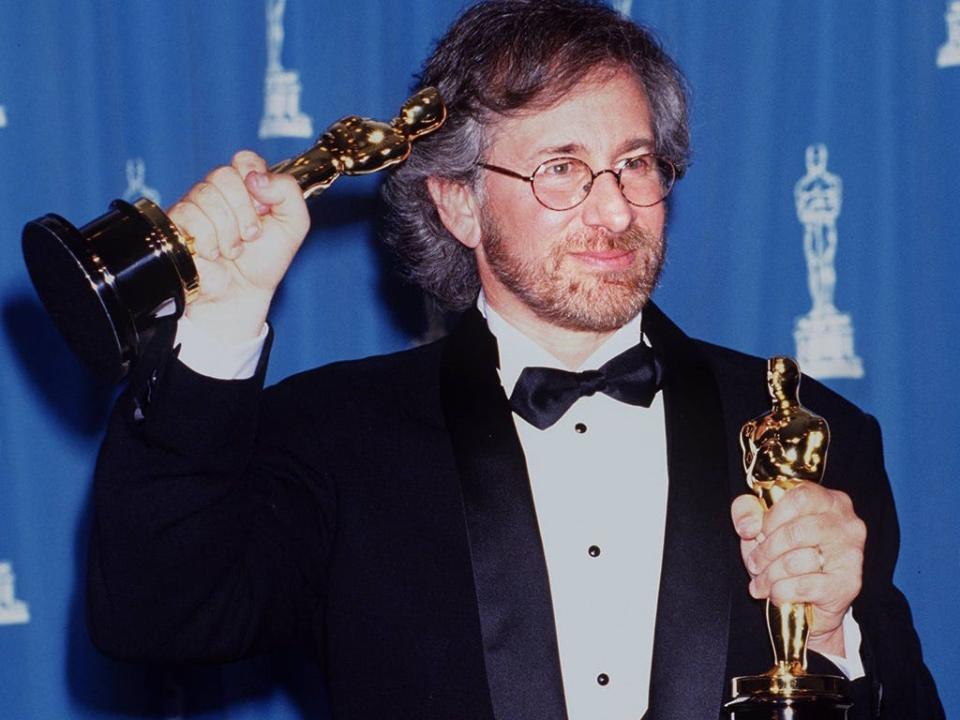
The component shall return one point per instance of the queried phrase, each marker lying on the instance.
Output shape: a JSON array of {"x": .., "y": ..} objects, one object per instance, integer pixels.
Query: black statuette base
[
  {"x": 788, "y": 697},
  {"x": 103, "y": 283},
  {"x": 779, "y": 708}
]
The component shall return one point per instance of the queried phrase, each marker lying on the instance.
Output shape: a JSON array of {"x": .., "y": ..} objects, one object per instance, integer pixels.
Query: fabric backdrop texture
[{"x": 820, "y": 218}]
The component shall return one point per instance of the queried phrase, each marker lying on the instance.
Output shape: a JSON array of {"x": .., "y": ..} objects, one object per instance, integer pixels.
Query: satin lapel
[
  {"x": 509, "y": 569},
  {"x": 693, "y": 610}
]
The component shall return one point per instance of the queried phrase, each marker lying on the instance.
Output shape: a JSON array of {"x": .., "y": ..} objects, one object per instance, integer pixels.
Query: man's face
[{"x": 590, "y": 268}]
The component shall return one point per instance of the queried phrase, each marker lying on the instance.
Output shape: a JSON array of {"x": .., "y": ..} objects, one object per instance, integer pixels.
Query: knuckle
[
  {"x": 247, "y": 157},
  {"x": 186, "y": 213},
  {"x": 221, "y": 175},
  {"x": 178, "y": 210},
  {"x": 790, "y": 501},
  {"x": 856, "y": 565},
  {"x": 859, "y": 532},
  {"x": 794, "y": 534},
  {"x": 844, "y": 501},
  {"x": 804, "y": 494},
  {"x": 795, "y": 502},
  {"x": 201, "y": 194},
  {"x": 840, "y": 503},
  {"x": 806, "y": 489}
]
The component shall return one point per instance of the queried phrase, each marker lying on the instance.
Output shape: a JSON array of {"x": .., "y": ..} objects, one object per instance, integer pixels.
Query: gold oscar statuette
[
  {"x": 782, "y": 449},
  {"x": 103, "y": 284}
]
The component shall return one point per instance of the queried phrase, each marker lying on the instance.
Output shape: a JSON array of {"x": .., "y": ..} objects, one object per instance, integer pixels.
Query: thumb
[
  {"x": 747, "y": 515},
  {"x": 278, "y": 195}
]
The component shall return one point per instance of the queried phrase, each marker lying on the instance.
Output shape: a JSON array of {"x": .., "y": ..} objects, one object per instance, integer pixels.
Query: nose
[{"x": 606, "y": 206}]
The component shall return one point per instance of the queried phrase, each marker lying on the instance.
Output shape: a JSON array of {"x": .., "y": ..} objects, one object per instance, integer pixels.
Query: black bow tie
[{"x": 542, "y": 395}]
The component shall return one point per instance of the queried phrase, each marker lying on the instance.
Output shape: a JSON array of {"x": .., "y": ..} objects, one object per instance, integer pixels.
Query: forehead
[{"x": 604, "y": 115}]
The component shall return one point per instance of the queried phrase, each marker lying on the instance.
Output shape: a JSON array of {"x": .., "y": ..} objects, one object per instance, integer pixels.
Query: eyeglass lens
[{"x": 563, "y": 183}]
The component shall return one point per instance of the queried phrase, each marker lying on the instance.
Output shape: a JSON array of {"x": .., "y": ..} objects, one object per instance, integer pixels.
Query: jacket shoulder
[{"x": 367, "y": 386}]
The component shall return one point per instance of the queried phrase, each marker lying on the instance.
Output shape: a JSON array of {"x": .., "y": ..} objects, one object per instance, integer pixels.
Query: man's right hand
[{"x": 247, "y": 225}]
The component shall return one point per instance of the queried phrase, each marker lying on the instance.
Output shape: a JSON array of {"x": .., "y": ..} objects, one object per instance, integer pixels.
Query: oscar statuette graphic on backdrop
[
  {"x": 282, "y": 116},
  {"x": 12, "y": 610},
  {"x": 824, "y": 336},
  {"x": 623, "y": 7},
  {"x": 949, "y": 53},
  {"x": 104, "y": 283},
  {"x": 137, "y": 183}
]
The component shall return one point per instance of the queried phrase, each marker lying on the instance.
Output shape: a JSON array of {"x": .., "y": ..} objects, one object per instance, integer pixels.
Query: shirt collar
[{"x": 518, "y": 351}]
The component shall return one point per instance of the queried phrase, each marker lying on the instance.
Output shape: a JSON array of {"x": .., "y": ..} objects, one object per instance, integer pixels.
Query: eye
[
  {"x": 645, "y": 163},
  {"x": 557, "y": 168}
]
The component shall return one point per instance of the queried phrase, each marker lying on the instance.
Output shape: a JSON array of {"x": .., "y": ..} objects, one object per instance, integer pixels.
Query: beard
[{"x": 583, "y": 301}]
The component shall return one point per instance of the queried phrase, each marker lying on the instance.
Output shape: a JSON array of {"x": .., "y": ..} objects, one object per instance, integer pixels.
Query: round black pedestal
[
  {"x": 780, "y": 708},
  {"x": 788, "y": 696},
  {"x": 103, "y": 283}
]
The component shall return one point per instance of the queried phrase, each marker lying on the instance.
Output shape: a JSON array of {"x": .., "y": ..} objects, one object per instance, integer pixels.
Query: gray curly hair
[{"x": 500, "y": 57}]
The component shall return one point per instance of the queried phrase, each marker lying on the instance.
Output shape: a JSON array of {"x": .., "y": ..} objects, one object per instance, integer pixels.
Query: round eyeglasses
[{"x": 563, "y": 183}]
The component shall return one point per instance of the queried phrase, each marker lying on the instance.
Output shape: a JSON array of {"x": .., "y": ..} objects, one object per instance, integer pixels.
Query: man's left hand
[{"x": 807, "y": 548}]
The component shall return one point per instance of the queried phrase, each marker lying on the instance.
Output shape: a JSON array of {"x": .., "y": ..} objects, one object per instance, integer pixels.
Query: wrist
[
  {"x": 828, "y": 643},
  {"x": 233, "y": 321}
]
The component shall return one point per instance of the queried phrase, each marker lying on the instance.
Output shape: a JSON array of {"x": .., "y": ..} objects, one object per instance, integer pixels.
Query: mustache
[{"x": 599, "y": 241}]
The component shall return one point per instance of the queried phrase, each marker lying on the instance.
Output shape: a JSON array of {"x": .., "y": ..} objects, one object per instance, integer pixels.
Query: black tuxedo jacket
[{"x": 379, "y": 512}]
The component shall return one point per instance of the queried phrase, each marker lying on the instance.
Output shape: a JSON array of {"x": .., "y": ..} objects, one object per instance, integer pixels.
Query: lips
[{"x": 606, "y": 259}]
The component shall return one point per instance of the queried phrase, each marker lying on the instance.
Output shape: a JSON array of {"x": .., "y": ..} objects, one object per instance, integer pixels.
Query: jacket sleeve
[
  {"x": 898, "y": 683},
  {"x": 211, "y": 518}
]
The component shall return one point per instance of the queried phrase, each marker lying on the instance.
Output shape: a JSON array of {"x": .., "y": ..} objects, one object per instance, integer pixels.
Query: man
[{"x": 450, "y": 553}]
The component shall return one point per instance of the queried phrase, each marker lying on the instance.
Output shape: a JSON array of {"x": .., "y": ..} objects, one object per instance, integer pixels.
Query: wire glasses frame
[{"x": 563, "y": 183}]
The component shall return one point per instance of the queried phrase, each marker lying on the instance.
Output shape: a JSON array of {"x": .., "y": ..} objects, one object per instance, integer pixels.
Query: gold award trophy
[
  {"x": 104, "y": 283},
  {"x": 782, "y": 449}
]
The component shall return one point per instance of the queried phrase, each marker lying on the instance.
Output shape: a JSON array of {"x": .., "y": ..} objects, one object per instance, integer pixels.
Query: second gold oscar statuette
[{"x": 782, "y": 449}]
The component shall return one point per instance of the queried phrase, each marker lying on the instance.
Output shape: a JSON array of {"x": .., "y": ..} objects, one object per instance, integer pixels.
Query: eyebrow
[{"x": 638, "y": 143}]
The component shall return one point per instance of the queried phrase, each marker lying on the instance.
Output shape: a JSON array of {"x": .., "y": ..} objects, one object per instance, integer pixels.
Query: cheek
[
  {"x": 653, "y": 218},
  {"x": 533, "y": 232}
]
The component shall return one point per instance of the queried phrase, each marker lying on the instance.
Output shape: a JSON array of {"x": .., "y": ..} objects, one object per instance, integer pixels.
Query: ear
[{"x": 458, "y": 209}]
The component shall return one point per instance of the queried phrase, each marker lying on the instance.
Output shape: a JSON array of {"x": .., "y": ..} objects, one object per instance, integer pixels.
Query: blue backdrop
[{"x": 826, "y": 159}]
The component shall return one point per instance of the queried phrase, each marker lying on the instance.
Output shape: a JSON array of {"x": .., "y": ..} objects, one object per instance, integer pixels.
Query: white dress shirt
[{"x": 599, "y": 481}]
